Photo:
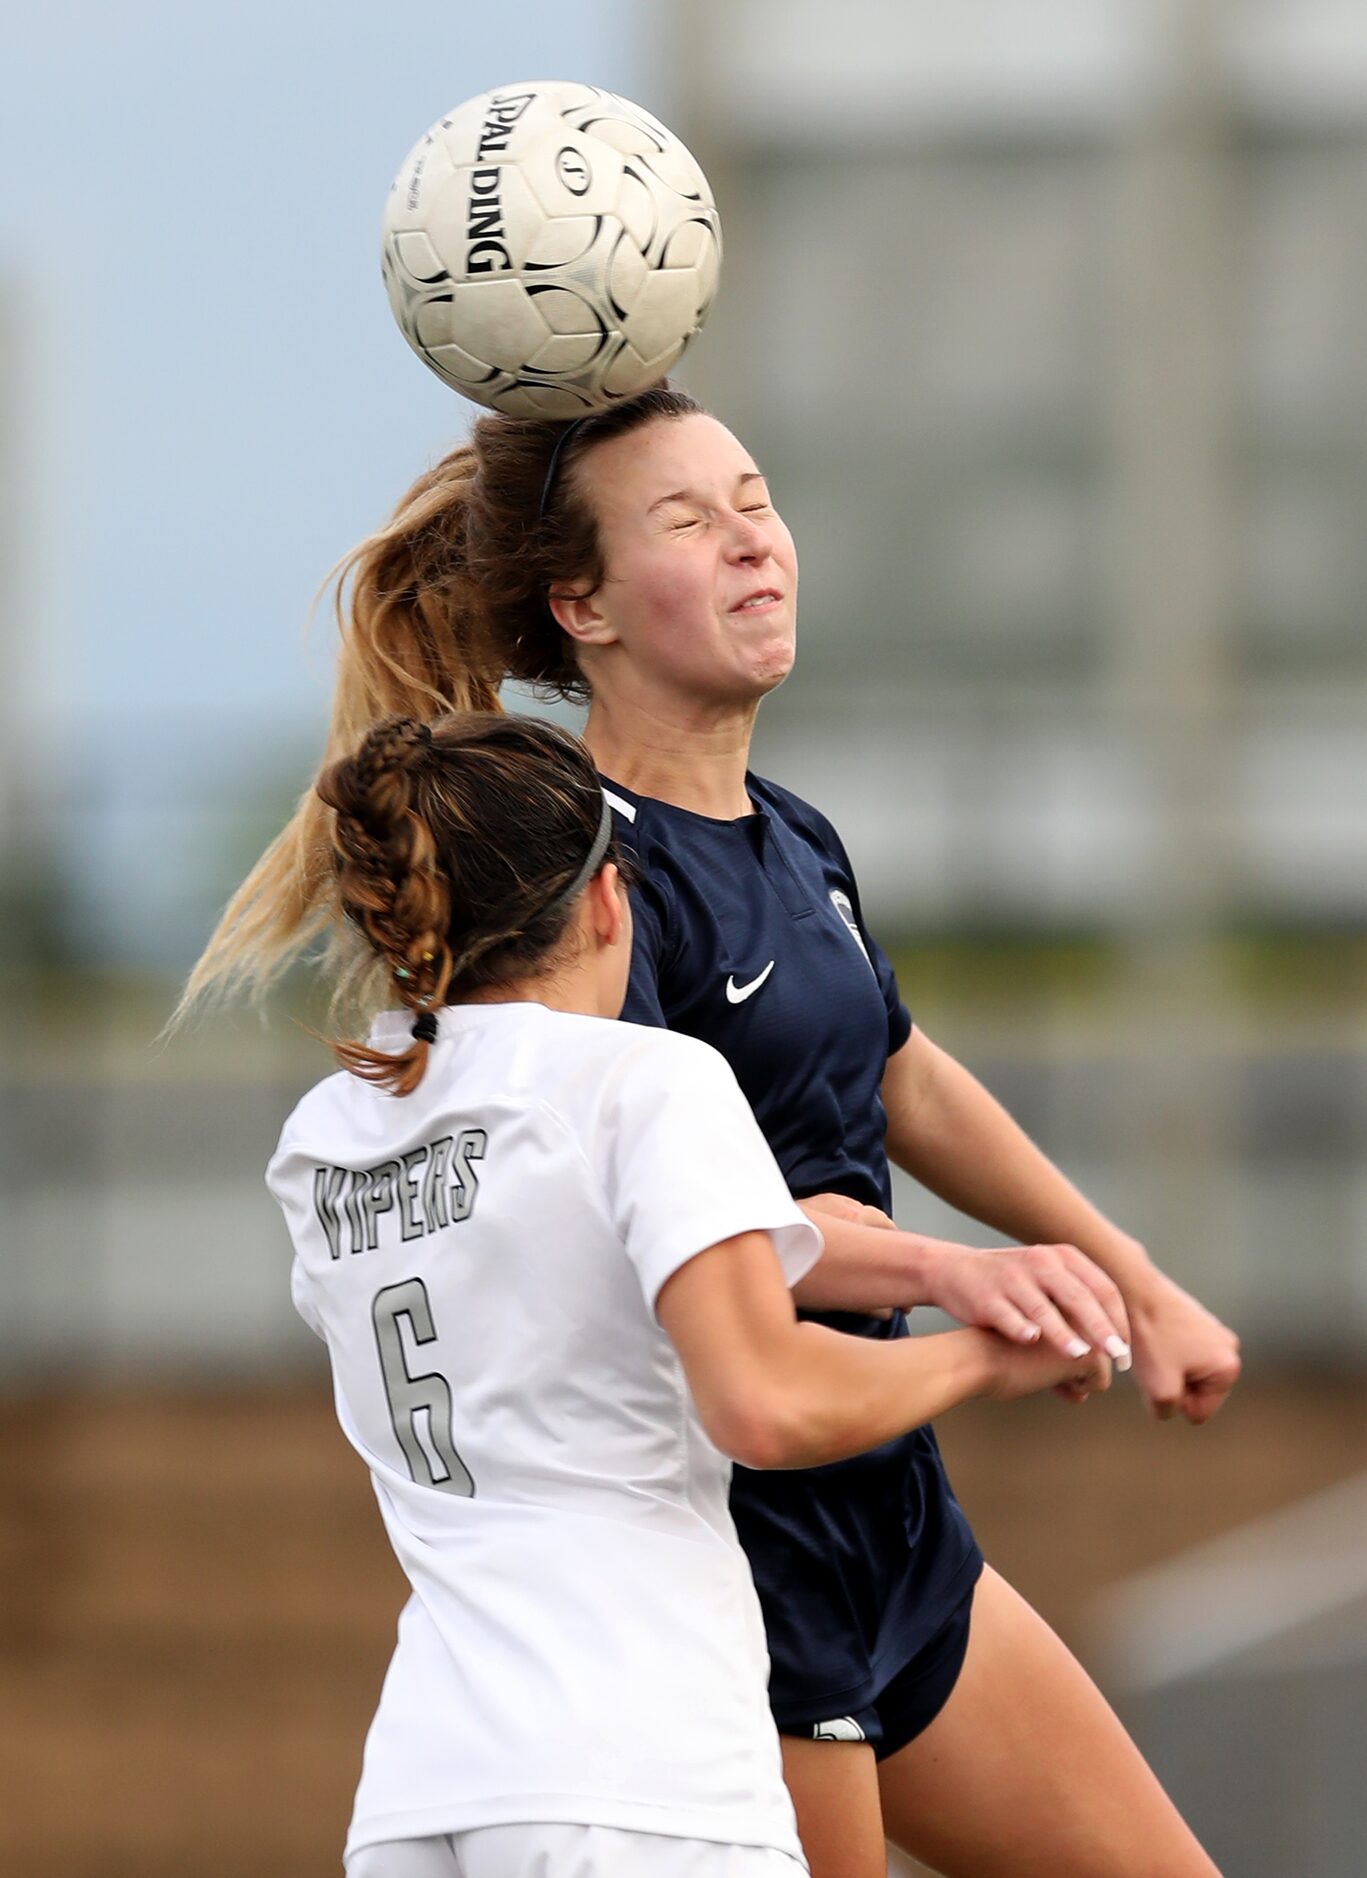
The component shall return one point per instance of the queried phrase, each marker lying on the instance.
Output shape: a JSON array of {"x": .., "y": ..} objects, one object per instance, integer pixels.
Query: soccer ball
[{"x": 550, "y": 249}]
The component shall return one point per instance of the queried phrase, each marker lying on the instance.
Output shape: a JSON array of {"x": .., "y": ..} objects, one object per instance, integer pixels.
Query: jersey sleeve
[
  {"x": 284, "y": 1180},
  {"x": 823, "y": 833},
  {"x": 685, "y": 1165},
  {"x": 301, "y": 1296},
  {"x": 899, "y": 1017}
]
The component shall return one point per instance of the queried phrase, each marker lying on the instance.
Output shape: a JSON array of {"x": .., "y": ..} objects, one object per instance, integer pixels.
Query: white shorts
[{"x": 560, "y": 1851}]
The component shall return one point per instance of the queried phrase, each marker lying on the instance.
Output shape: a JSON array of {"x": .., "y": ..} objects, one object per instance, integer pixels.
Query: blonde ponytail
[{"x": 412, "y": 645}]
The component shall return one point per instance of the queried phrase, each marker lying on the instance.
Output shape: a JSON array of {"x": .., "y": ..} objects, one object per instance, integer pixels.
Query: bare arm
[
  {"x": 867, "y": 1263},
  {"x": 956, "y": 1139},
  {"x": 773, "y": 1392},
  {"x": 1024, "y": 1292}
]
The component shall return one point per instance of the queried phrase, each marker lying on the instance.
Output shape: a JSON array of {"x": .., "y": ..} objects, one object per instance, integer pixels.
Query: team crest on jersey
[{"x": 844, "y": 906}]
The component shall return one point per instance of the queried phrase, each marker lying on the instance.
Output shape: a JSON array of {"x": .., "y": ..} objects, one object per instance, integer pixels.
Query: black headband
[
  {"x": 548, "y": 487},
  {"x": 592, "y": 861}
]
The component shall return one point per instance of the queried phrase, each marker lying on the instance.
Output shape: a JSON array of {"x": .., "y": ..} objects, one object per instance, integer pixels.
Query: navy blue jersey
[{"x": 749, "y": 935}]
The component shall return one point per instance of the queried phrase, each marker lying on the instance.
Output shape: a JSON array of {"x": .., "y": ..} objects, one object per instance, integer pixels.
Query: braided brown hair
[
  {"x": 454, "y": 846},
  {"x": 435, "y": 610}
]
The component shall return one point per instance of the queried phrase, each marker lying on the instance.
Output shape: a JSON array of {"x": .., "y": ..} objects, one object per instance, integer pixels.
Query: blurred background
[{"x": 1045, "y": 318}]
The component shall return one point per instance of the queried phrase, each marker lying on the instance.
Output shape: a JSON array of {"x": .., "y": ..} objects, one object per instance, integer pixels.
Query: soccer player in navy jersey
[{"x": 635, "y": 558}]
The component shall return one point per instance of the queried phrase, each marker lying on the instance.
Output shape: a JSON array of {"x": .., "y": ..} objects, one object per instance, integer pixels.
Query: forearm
[
  {"x": 866, "y": 1268},
  {"x": 959, "y": 1141},
  {"x": 843, "y": 1395}
]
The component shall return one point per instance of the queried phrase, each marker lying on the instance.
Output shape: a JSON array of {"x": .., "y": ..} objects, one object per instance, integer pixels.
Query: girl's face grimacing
[{"x": 699, "y": 598}]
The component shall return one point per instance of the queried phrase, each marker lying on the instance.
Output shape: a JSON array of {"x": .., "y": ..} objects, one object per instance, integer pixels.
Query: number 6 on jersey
[{"x": 418, "y": 1405}]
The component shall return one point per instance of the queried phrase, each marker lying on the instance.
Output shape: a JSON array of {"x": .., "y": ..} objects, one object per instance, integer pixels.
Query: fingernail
[
  {"x": 1117, "y": 1348},
  {"x": 1030, "y": 1334},
  {"x": 1078, "y": 1348}
]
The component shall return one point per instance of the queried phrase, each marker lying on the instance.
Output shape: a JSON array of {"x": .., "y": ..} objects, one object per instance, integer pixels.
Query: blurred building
[{"x": 1046, "y": 321}]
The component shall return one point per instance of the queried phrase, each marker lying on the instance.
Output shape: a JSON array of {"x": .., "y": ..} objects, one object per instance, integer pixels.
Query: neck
[
  {"x": 693, "y": 758},
  {"x": 576, "y": 982},
  {"x": 561, "y": 991}
]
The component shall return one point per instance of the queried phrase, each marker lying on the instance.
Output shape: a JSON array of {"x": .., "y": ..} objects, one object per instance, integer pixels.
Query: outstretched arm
[
  {"x": 773, "y": 1392},
  {"x": 954, "y": 1137},
  {"x": 1026, "y": 1293}
]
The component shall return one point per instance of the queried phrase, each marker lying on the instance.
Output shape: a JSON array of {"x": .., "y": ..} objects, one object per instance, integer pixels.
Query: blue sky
[{"x": 215, "y": 401}]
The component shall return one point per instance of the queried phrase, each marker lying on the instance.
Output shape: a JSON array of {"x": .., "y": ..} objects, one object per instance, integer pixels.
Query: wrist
[
  {"x": 1151, "y": 1300},
  {"x": 1135, "y": 1272},
  {"x": 924, "y": 1260},
  {"x": 984, "y": 1357},
  {"x": 1126, "y": 1261}
]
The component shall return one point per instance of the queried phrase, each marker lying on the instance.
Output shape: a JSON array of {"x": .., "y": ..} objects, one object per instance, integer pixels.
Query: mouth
[{"x": 759, "y": 601}]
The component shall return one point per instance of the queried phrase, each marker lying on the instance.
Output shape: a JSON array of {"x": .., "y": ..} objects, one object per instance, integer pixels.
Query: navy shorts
[
  {"x": 907, "y": 1704},
  {"x": 860, "y": 1566}
]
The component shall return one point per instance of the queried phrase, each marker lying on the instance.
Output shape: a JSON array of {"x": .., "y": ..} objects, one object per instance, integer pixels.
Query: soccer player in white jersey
[{"x": 550, "y": 1257}]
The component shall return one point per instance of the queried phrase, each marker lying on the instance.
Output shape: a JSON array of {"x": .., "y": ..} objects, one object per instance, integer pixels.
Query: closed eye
[{"x": 699, "y": 521}]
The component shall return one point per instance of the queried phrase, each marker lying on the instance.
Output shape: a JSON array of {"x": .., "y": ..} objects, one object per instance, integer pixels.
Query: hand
[
  {"x": 1030, "y": 1294},
  {"x": 1019, "y": 1372},
  {"x": 1185, "y": 1360}
]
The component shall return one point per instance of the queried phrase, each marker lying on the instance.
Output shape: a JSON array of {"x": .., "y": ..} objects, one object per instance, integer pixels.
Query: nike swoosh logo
[{"x": 737, "y": 994}]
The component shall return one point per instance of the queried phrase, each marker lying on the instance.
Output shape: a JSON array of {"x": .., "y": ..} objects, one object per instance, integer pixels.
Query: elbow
[
  {"x": 762, "y": 1449},
  {"x": 761, "y": 1435}
]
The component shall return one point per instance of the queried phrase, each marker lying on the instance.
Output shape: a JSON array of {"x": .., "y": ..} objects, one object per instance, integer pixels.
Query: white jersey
[{"x": 482, "y": 1257}]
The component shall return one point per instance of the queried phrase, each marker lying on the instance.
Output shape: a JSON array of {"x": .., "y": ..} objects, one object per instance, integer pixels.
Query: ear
[
  {"x": 582, "y": 618},
  {"x": 607, "y": 905}
]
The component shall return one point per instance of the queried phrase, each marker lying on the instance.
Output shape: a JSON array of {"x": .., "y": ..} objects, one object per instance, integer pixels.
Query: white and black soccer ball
[{"x": 550, "y": 249}]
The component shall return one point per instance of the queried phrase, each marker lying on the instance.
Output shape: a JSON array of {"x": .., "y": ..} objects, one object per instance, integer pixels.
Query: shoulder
[
  {"x": 640, "y": 1071},
  {"x": 314, "y": 1119},
  {"x": 666, "y": 1052},
  {"x": 644, "y": 1055},
  {"x": 662, "y": 870},
  {"x": 315, "y": 1105},
  {"x": 639, "y": 823},
  {"x": 628, "y": 1078},
  {"x": 601, "y": 1053}
]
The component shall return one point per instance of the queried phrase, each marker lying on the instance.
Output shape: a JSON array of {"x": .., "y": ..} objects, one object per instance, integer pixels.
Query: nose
[{"x": 748, "y": 538}]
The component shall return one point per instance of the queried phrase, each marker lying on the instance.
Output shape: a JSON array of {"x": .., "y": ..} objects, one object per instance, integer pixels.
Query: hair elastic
[
  {"x": 425, "y": 1027},
  {"x": 548, "y": 487}
]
